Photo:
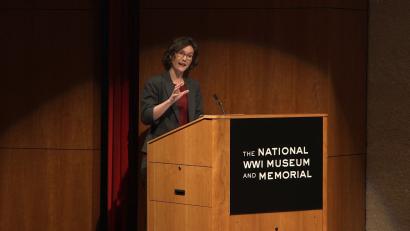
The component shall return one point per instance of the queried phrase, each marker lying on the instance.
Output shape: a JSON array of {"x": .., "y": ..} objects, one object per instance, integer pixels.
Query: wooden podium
[{"x": 189, "y": 177}]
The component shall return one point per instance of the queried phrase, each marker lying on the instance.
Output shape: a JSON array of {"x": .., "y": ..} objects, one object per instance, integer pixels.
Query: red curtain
[
  {"x": 118, "y": 129},
  {"x": 118, "y": 172},
  {"x": 119, "y": 178}
]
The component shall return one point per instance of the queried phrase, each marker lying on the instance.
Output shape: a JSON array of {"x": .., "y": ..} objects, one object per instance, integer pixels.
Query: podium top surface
[{"x": 236, "y": 116}]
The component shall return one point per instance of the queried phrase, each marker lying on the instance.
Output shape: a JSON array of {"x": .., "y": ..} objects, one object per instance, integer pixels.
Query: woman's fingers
[
  {"x": 183, "y": 93},
  {"x": 180, "y": 94},
  {"x": 177, "y": 86},
  {"x": 176, "y": 94}
]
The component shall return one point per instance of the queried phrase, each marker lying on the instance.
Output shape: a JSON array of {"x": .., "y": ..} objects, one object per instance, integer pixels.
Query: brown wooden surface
[
  {"x": 232, "y": 4},
  {"x": 178, "y": 217},
  {"x": 263, "y": 221},
  {"x": 211, "y": 183},
  {"x": 50, "y": 92},
  {"x": 49, "y": 189},
  {"x": 195, "y": 181},
  {"x": 275, "y": 61},
  {"x": 50, "y": 115},
  {"x": 346, "y": 193},
  {"x": 221, "y": 176},
  {"x": 325, "y": 169},
  {"x": 306, "y": 221},
  {"x": 172, "y": 150},
  {"x": 307, "y": 61},
  {"x": 308, "y": 58},
  {"x": 347, "y": 85},
  {"x": 232, "y": 116},
  {"x": 48, "y": 4}
]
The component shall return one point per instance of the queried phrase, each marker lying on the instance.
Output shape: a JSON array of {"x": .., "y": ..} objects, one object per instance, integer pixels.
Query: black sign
[{"x": 276, "y": 164}]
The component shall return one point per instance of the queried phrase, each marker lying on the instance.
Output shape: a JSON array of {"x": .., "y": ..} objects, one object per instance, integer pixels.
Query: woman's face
[{"x": 182, "y": 59}]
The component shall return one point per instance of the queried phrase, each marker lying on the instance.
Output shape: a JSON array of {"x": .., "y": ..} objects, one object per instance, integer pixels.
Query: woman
[
  {"x": 168, "y": 101},
  {"x": 172, "y": 99}
]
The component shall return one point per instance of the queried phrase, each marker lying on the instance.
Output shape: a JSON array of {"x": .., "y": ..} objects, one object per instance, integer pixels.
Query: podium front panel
[{"x": 276, "y": 165}]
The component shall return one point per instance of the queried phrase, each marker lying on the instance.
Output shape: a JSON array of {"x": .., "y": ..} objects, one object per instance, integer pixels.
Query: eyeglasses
[{"x": 181, "y": 55}]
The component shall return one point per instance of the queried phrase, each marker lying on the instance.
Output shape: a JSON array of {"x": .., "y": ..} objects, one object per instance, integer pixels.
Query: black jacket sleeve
[{"x": 150, "y": 98}]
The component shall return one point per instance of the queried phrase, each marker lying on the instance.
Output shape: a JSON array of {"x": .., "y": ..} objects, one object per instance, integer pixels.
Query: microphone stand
[{"x": 217, "y": 101}]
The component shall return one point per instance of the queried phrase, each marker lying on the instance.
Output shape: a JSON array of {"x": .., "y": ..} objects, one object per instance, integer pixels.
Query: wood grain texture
[
  {"x": 306, "y": 221},
  {"x": 220, "y": 174},
  {"x": 253, "y": 70},
  {"x": 48, "y": 4},
  {"x": 49, "y": 189},
  {"x": 255, "y": 222},
  {"x": 175, "y": 149},
  {"x": 347, "y": 85},
  {"x": 194, "y": 181},
  {"x": 232, "y": 4},
  {"x": 50, "y": 121},
  {"x": 50, "y": 90},
  {"x": 233, "y": 116},
  {"x": 211, "y": 184},
  {"x": 325, "y": 181},
  {"x": 178, "y": 217},
  {"x": 274, "y": 61},
  {"x": 346, "y": 193},
  {"x": 277, "y": 61}
]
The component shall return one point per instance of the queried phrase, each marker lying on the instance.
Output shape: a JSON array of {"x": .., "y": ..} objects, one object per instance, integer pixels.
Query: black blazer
[{"x": 158, "y": 89}]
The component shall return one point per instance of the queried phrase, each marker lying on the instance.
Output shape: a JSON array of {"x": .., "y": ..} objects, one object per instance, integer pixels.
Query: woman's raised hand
[{"x": 176, "y": 93}]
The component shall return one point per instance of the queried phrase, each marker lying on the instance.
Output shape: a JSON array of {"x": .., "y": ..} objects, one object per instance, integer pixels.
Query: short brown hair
[{"x": 176, "y": 45}]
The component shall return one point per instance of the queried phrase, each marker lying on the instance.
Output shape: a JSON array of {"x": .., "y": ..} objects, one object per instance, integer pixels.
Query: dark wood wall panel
[
  {"x": 347, "y": 64},
  {"x": 50, "y": 89},
  {"x": 235, "y": 4},
  {"x": 48, "y": 4},
  {"x": 49, "y": 189},
  {"x": 346, "y": 192},
  {"x": 50, "y": 121},
  {"x": 300, "y": 60},
  {"x": 274, "y": 61}
]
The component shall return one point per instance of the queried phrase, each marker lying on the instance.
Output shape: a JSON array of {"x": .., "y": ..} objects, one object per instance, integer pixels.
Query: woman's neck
[{"x": 176, "y": 76}]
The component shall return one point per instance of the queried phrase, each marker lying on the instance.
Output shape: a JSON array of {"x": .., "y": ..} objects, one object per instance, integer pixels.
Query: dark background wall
[
  {"x": 259, "y": 56},
  {"x": 388, "y": 165},
  {"x": 279, "y": 57},
  {"x": 50, "y": 115}
]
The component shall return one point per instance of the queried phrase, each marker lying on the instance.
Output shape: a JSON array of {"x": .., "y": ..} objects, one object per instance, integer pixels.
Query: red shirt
[{"x": 182, "y": 105}]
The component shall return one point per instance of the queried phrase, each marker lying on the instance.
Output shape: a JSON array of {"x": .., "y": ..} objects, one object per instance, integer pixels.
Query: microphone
[{"x": 217, "y": 101}]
